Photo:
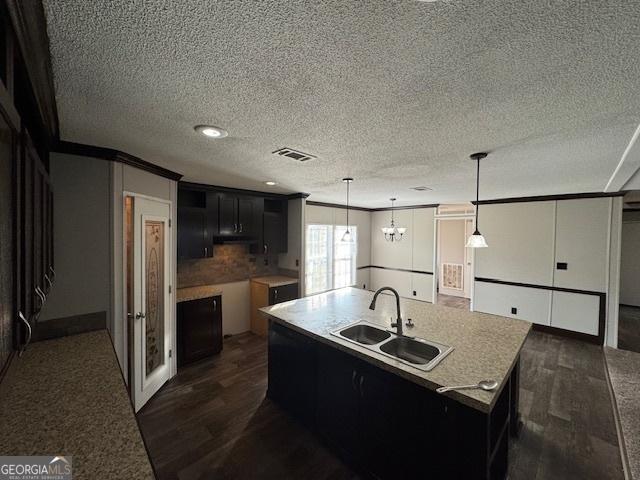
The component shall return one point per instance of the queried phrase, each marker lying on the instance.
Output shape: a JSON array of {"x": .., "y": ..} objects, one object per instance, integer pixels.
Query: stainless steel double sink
[{"x": 416, "y": 352}]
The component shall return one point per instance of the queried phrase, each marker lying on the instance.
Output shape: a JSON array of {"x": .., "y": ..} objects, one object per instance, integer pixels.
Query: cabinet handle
[
  {"x": 276, "y": 294},
  {"x": 140, "y": 315},
  {"x": 361, "y": 385},
  {"x": 24, "y": 320},
  {"x": 265, "y": 249},
  {"x": 235, "y": 227},
  {"x": 215, "y": 304},
  {"x": 353, "y": 380},
  {"x": 205, "y": 251},
  {"x": 240, "y": 228}
]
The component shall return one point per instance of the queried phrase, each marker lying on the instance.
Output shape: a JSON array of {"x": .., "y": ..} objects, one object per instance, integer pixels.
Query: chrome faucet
[{"x": 398, "y": 323}]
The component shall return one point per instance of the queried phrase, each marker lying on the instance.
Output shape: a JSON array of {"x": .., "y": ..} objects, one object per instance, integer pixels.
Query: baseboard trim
[{"x": 73, "y": 325}]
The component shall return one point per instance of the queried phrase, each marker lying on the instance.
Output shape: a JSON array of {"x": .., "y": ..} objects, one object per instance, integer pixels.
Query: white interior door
[{"x": 152, "y": 305}]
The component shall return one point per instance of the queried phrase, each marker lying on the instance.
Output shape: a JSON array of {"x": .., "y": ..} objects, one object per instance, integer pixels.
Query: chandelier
[{"x": 393, "y": 233}]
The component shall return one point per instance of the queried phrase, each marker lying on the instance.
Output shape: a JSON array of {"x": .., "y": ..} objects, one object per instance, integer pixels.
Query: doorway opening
[
  {"x": 454, "y": 261},
  {"x": 629, "y": 314}
]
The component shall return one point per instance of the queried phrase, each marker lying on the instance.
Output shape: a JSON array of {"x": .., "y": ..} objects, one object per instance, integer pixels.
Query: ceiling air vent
[
  {"x": 295, "y": 154},
  {"x": 420, "y": 189}
]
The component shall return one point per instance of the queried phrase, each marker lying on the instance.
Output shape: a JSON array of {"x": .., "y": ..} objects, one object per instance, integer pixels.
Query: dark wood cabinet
[
  {"x": 384, "y": 425},
  {"x": 199, "y": 329},
  {"x": 210, "y": 215},
  {"x": 283, "y": 293},
  {"x": 292, "y": 357},
  {"x": 240, "y": 216},
  {"x": 197, "y": 223}
]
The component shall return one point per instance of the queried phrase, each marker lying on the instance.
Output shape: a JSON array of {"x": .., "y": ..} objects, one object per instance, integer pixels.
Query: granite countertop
[
  {"x": 196, "y": 293},
  {"x": 67, "y": 397},
  {"x": 275, "y": 280},
  {"x": 485, "y": 346}
]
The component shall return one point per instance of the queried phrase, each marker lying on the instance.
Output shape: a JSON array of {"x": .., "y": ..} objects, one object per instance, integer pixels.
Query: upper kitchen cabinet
[
  {"x": 209, "y": 215},
  {"x": 239, "y": 215},
  {"x": 582, "y": 236},
  {"x": 274, "y": 228},
  {"x": 197, "y": 220}
]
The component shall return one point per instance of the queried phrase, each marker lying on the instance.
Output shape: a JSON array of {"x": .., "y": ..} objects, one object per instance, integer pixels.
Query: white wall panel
[
  {"x": 363, "y": 278},
  {"x": 401, "y": 281},
  {"x": 582, "y": 241},
  {"x": 423, "y": 239},
  {"x": 422, "y": 286},
  {"x": 521, "y": 242},
  {"x": 391, "y": 254},
  {"x": 576, "y": 312},
  {"x": 533, "y": 304}
]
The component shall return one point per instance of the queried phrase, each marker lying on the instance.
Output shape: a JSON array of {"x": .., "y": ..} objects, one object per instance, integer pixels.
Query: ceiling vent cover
[
  {"x": 421, "y": 189},
  {"x": 295, "y": 154}
]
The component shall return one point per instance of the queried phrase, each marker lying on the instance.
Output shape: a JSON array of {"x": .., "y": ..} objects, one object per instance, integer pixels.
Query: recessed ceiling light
[
  {"x": 270, "y": 183},
  {"x": 210, "y": 131}
]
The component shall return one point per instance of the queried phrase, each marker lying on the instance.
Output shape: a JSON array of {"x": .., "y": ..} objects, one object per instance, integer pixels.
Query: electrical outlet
[
  {"x": 297, "y": 262},
  {"x": 514, "y": 311},
  {"x": 414, "y": 293}
]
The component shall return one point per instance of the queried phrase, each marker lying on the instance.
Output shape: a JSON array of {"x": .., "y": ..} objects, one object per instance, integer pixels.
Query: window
[{"x": 330, "y": 263}]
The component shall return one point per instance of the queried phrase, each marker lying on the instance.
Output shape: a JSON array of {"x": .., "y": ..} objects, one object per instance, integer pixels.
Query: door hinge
[
  {"x": 170, "y": 353},
  {"x": 169, "y": 223},
  {"x": 169, "y": 288}
]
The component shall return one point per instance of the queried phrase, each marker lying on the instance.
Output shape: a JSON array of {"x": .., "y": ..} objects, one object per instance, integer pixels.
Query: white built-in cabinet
[
  {"x": 561, "y": 244},
  {"x": 408, "y": 264}
]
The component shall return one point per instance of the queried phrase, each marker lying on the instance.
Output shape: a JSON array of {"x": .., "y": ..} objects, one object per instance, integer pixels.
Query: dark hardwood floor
[
  {"x": 212, "y": 421},
  {"x": 629, "y": 328},
  {"x": 453, "y": 301}
]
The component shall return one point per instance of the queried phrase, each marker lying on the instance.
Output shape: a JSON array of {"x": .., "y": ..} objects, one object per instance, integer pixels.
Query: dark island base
[{"x": 383, "y": 425}]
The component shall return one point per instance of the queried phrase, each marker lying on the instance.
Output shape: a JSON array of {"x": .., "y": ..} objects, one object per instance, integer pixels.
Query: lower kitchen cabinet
[
  {"x": 383, "y": 425},
  {"x": 292, "y": 373},
  {"x": 199, "y": 325},
  {"x": 264, "y": 295}
]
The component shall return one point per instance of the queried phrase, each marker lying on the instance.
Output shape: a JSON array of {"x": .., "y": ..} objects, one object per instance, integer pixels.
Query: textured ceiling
[{"x": 394, "y": 93}]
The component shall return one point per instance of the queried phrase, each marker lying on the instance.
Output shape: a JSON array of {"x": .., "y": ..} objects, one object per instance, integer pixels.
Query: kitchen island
[{"x": 381, "y": 414}]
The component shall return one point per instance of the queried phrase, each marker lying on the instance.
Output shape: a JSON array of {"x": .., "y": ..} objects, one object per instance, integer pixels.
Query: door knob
[{"x": 140, "y": 315}]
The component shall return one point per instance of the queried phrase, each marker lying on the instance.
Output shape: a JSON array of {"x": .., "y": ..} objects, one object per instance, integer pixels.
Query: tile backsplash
[{"x": 230, "y": 263}]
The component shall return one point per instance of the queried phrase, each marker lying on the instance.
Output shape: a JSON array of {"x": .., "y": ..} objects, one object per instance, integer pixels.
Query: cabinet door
[
  {"x": 249, "y": 217},
  {"x": 338, "y": 401},
  {"x": 199, "y": 329},
  {"x": 582, "y": 233},
  {"x": 228, "y": 215},
  {"x": 192, "y": 234},
  {"x": 292, "y": 372},
  {"x": 274, "y": 233},
  {"x": 283, "y": 293}
]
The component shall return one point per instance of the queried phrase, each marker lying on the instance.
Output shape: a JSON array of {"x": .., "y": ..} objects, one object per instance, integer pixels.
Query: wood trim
[
  {"x": 113, "y": 155},
  {"x": 365, "y": 209},
  {"x": 395, "y": 269},
  {"x": 337, "y": 205},
  {"x": 255, "y": 193},
  {"x": 541, "y": 287},
  {"x": 542, "y": 198},
  {"x": 597, "y": 339},
  {"x": 30, "y": 30}
]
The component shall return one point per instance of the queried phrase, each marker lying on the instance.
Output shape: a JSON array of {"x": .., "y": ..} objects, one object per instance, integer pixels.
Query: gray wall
[
  {"x": 630, "y": 259},
  {"x": 82, "y": 223}
]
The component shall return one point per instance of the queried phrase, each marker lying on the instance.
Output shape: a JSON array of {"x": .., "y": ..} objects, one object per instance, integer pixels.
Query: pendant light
[
  {"x": 393, "y": 233},
  {"x": 477, "y": 239},
  {"x": 347, "y": 237}
]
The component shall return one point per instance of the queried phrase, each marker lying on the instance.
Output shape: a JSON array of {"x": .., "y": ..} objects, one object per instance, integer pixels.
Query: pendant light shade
[
  {"x": 476, "y": 240},
  {"x": 393, "y": 233},
  {"x": 347, "y": 237}
]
